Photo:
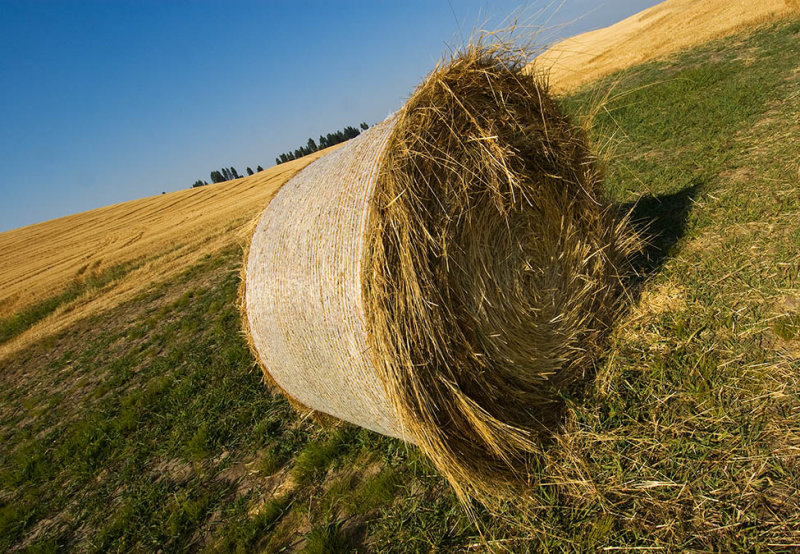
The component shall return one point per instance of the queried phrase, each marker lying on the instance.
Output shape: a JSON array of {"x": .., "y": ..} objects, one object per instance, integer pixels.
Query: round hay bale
[{"x": 440, "y": 277}]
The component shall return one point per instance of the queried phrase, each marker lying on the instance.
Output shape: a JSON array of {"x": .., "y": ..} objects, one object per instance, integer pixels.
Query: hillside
[
  {"x": 147, "y": 427},
  {"x": 59, "y": 271},
  {"x": 653, "y": 33}
]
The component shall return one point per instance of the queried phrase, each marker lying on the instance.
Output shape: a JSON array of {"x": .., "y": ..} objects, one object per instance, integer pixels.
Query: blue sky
[{"x": 102, "y": 102}]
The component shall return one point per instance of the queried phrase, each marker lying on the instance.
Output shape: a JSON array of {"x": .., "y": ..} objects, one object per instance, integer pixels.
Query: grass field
[{"x": 147, "y": 425}]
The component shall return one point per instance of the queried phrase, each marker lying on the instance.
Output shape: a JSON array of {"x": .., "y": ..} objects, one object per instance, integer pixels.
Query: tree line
[
  {"x": 324, "y": 142},
  {"x": 225, "y": 174},
  {"x": 230, "y": 173}
]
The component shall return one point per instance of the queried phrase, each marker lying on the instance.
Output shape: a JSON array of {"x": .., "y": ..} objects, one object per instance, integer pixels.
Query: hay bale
[{"x": 440, "y": 277}]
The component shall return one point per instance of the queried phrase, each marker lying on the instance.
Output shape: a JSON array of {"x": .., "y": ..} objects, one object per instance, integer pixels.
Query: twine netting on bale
[{"x": 442, "y": 276}]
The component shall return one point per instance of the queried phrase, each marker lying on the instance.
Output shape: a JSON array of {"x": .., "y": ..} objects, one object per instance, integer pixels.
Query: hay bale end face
[{"x": 441, "y": 276}]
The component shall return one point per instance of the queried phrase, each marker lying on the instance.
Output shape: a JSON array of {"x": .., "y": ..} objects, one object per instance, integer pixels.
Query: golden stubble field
[{"x": 163, "y": 235}]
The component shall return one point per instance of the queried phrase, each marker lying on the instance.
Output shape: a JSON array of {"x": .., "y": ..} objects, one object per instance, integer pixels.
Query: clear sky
[{"x": 107, "y": 101}]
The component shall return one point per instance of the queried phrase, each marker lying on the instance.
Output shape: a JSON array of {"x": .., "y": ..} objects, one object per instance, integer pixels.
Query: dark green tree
[
  {"x": 351, "y": 132},
  {"x": 325, "y": 141}
]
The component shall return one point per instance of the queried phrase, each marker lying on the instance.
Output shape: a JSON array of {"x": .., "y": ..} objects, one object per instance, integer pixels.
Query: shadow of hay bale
[{"x": 661, "y": 222}]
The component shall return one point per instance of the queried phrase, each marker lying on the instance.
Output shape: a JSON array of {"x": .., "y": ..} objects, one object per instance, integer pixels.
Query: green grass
[
  {"x": 326, "y": 539},
  {"x": 148, "y": 427},
  {"x": 245, "y": 536},
  {"x": 317, "y": 456}
]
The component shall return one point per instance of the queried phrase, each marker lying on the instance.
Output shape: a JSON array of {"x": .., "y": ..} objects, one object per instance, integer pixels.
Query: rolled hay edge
[{"x": 442, "y": 276}]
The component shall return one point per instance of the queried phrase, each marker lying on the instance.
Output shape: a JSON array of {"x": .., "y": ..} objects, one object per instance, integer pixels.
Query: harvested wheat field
[
  {"x": 126, "y": 247},
  {"x": 654, "y": 33}
]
